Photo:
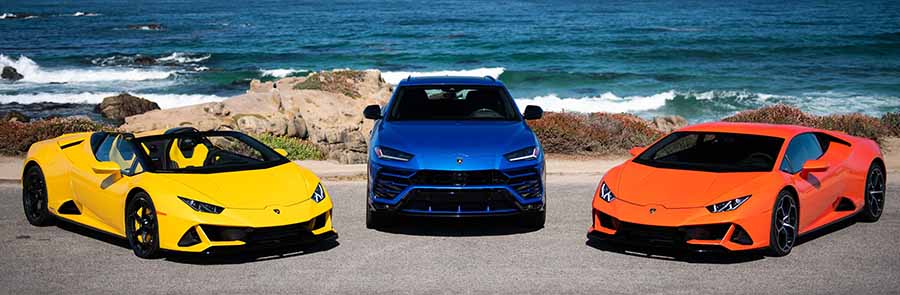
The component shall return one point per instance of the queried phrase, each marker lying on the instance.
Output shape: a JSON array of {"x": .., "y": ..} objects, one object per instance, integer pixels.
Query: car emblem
[
  {"x": 459, "y": 161},
  {"x": 652, "y": 210},
  {"x": 276, "y": 211}
]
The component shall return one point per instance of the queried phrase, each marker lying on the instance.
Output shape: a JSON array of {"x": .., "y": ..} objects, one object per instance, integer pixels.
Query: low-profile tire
[
  {"x": 376, "y": 220},
  {"x": 533, "y": 220},
  {"x": 783, "y": 233},
  {"x": 34, "y": 197},
  {"x": 874, "y": 194},
  {"x": 142, "y": 226}
]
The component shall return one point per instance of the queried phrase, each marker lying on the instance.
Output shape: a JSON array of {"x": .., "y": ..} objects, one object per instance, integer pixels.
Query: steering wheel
[
  {"x": 761, "y": 155},
  {"x": 212, "y": 157},
  {"x": 484, "y": 113}
]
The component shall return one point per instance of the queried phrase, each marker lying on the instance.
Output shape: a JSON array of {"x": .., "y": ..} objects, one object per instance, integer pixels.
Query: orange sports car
[{"x": 738, "y": 186}]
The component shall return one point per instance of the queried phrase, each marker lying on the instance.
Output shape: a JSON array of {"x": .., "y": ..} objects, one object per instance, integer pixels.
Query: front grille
[
  {"x": 526, "y": 182},
  {"x": 264, "y": 235},
  {"x": 459, "y": 178},
  {"x": 654, "y": 235},
  {"x": 390, "y": 182},
  {"x": 431, "y": 200}
]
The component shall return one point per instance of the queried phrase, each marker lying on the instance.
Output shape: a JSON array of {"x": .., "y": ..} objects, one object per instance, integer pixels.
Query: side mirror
[
  {"x": 281, "y": 152},
  {"x": 815, "y": 166},
  {"x": 372, "y": 112},
  {"x": 635, "y": 151},
  {"x": 107, "y": 168},
  {"x": 533, "y": 112}
]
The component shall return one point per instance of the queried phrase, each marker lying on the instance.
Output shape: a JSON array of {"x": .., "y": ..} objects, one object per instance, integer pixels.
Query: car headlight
[
  {"x": 606, "y": 194},
  {"x": 318, "y": 194},
  {"x": 529, "y": 153},
  {"x": 392, "y": 154},
  {"x": 727, "y": 205},
  {"x": 201, "y": 206}
]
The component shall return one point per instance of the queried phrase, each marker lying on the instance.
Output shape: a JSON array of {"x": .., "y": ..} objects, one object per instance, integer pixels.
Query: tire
[
  {"x": 874, "y": 194},
  {"x": 34, "y": 197},
  {"x": 783, "y": 232},
  {"x": 142, "y": 226},
  {"x": 534, "y": 220},
  {"x": 375, "y": 220}
]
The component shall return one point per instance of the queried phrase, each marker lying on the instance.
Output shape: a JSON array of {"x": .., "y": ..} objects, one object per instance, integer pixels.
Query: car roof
[
  {"x": 774, "y": 130},
  {"x": 450, "y": 80}
]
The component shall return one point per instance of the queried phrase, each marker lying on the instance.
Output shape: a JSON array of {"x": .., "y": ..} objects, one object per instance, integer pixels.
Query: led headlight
[
  {"x": 727, "y": 205},
  {"x": 319, "y": 194},
  {"x": 529, "y": 153},
  {"x": 392, "y": 154},
  {"x": 202, "y": 207},
  {"x": 606, "y": 194}
]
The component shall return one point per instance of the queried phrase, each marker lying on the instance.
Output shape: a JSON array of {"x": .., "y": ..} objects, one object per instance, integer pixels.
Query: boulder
[
  {"x": 123, "y": 105},
  {"x": 668, "y": 124},
  {"x": 144, "y": 61},
  {"x": 10, "y": 73},
  {"x": 324, "y": 108},
  {"x": 14, "y": 116}
]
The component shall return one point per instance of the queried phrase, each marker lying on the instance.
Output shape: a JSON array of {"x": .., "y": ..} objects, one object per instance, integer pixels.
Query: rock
[
  {"x": 144, "y": 61},
  {"x": 10, "y": 73},
  {"x": 14, "y": 116},
  {"x": 123, "y": 105},
  {"x": 325, "y": 114},
  {"x": 668, "y": 124}
]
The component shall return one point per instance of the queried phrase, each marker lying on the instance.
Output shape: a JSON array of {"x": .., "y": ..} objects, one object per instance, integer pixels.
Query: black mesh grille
[
  {"x": 390, "y": 182},
  {"x": 459, "y": 178},
  {"x": 526, "y": 182}
]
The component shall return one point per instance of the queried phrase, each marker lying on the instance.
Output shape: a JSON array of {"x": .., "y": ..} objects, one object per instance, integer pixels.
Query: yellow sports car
[{"x": 178, "y": 189}]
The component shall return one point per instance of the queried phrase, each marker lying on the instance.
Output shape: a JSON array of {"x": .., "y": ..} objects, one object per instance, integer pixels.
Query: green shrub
[
  {"x": 296, "y": 148},
  {"x": 891, "y": 121},
  {"x": 17, "y": 137},
  {"x": 593, "y": 134},
  {"x": 338, "y": 81}
]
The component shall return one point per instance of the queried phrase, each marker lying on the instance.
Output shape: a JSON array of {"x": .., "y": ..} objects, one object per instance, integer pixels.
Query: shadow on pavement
[
  {"x": 710, "y": 257},
  {"x": 456, "y": 227},
  {"x": 241, "y": 256}
]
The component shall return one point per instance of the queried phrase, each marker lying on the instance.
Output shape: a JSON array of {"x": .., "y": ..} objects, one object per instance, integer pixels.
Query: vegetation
[
  {"x": 854, "y": 124},
  {"x": 891, "y": 121},
  {"x": 17, "y": 137},
  {"x": 338, "y": 81},
  {"x": 297, "y": 149},
  {"x": 593, "y": 134}
]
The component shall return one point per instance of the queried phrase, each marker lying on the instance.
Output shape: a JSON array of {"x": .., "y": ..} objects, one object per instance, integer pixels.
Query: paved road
[{"x": 476, "y": 256}]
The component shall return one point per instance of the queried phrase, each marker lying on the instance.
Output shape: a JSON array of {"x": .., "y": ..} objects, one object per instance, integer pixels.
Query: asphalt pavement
[{"x": 450, "y": 256}]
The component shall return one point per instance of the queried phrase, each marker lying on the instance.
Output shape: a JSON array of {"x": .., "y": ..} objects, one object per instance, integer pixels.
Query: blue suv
[{"x": 454, "y": 146}]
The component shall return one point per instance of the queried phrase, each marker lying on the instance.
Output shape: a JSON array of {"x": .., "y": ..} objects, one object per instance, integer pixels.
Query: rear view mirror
[
  {"x": 635, "y": 151},
  {"x": 533, "y": 112},
  {"x": 815, "y": 166},
  {"x": 372, "y": 112},
  {"x": 282, "y": 152},
  {"x": 107, "y": 168}
]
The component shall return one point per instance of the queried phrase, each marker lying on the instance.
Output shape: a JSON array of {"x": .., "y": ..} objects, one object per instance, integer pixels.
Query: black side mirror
[
  {"x": 533, "y": 112},
  {"x": 372, "y": 112}
]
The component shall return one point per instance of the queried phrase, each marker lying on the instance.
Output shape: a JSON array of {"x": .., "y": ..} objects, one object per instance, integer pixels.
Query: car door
[
  {"x": 817, "y": 190},
  {"x": 102, "y": 195}
]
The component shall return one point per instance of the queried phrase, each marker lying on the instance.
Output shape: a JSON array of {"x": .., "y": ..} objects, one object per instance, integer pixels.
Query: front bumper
[
  {"x": 301, "y": 223},
  {"x": 456, "y": 193},
  {"x": 693, "y": 229}
]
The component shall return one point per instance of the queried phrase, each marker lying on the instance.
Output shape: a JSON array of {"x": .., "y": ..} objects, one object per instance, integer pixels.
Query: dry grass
[
  {"x": 593, "y": 134},
  {"x": 17, "y": 137}
]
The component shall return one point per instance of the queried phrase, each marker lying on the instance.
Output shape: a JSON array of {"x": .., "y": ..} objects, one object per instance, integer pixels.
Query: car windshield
[
  {"x": 714, "y": 152},
  {"x": 206, "y": 152},
  {"x": 448, "y": 102}
]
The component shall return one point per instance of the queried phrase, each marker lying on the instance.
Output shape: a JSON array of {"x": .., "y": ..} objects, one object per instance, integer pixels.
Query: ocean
[{"x": 702, "y": 60}]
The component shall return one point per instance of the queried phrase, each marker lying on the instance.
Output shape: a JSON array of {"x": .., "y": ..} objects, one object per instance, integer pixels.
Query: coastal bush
[
  {"x": 338, "y": 81},
  {"x": 296, "y": 148},
  {"x": 593, "y": 134},
  {"x": 17, "y": 137},
  {"x": 854, "y": 124},
  {"x": 891, "y": 121}
]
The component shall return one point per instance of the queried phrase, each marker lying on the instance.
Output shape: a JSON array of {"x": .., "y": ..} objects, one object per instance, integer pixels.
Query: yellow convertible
[{"x": 178, "y": 189}]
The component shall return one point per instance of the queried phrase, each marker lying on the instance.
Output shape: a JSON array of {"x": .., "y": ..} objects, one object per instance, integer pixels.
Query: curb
[{"x": 10, "y": 181}]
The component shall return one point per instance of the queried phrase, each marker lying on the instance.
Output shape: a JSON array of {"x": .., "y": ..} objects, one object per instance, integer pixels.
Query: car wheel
[
  {"x": 874, "y": 193},
  {"x": 534, "y": 220},
  {"x": 783, "y": 232},
  {"x": 141, "y": 226},
  {"x": 34, "y": 197}
]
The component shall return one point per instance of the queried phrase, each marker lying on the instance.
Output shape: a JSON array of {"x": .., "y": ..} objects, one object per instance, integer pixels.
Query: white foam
[
  {"x": 607, "y": 102},
  {"x": 280, "y": 73},
  {"x": 81, "y": 13},
  {"x": 7, "y": 15},
  {"x": 182, "y": 58},
  {"x": 396, "y": 77},
  {"x": 165, "y": 101},
  {"x": 34, "y": 74}
]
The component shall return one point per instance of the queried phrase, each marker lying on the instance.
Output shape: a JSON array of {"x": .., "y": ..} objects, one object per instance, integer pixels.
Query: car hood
[
  {"x": 281, "y": 185},
  {"x": 671, "y": 188},
  {"x": 437, "y": 144}
]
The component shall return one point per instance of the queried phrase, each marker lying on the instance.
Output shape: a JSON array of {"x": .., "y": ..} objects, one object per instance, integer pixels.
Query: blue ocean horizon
[{"x": 702, "y": 60}]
